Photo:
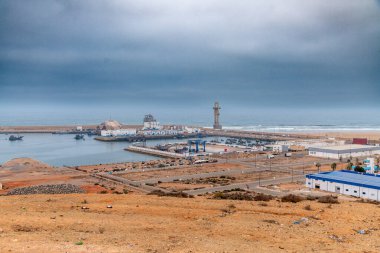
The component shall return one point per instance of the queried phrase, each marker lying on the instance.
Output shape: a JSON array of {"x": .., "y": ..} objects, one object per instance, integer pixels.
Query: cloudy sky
[{"x": 186, "y": 54}]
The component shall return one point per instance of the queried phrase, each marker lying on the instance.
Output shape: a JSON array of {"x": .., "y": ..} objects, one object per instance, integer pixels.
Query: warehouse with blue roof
[{"x": 346, "y": 182}]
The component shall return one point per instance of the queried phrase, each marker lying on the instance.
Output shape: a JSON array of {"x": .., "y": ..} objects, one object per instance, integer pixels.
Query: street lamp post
[
  {"x": 270, "y": 164},
  {"x": 292, "y": 175},
  {"x": 259, "y": 178}
]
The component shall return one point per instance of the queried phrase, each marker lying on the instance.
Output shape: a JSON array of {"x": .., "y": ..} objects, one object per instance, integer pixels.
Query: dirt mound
[{"x": 18, "y": 164}]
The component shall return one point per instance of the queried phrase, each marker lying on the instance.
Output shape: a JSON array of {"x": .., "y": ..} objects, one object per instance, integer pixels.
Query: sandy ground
[
  {"x": 194, "y": 169},
  {"x": 22, "y": 172},
  {"x": 132, "y": 165},
  {"x": 140, "y": 223},
  {"x": 373, "y": 135}
]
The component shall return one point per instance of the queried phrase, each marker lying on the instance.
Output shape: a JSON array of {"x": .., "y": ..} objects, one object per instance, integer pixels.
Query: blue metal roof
[{"x": 349, "y": 177}]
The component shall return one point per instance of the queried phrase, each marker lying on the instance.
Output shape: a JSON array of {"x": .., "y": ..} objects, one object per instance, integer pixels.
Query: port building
[
  {"x": 346, "y": 182},
  {"x": 150, "y": 123},
  {"x": 118, "y": 132},
  {"x": 344, "y": 151}
]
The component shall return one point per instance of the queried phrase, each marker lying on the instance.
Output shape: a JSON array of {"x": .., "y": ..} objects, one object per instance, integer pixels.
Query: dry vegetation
[{"x": 143, "y": 223}]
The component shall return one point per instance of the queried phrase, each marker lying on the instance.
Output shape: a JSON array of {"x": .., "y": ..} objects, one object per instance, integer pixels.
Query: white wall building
[
  {"x": 191, "y": 130},
  {"x": 118, "y": 132},
  {"x": 344, "y": 151},
  {"x": 346, "y": 182},
  {"x": 312, "y": 143},
  {"x": 160, "y": 132},
  {"x": 278, "y": 148}
]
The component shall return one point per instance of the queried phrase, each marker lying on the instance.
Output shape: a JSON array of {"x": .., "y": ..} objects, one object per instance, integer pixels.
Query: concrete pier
[{"x": 154, "y": 152}]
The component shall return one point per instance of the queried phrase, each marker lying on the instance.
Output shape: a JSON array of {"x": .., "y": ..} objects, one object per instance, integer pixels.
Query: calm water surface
[{"x": 63, "y": 149}]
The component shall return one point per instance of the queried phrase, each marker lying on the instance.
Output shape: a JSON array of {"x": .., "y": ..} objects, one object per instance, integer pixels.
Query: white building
[
  {"x": 344, "y": 151},
  {"x": 277, "y": 148},
  {"x": 160, "y": 132},
  {"x": 346, "y": 182},
  {"x": 118, "y": 132},
  {"x": 150, "y": 123},
  {"x": 191, "y": 130}
]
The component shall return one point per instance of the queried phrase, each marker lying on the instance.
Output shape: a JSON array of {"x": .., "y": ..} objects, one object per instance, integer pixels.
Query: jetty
[
  {"x": 141, "y": 138},
  {"x": 154, "y": 152}
]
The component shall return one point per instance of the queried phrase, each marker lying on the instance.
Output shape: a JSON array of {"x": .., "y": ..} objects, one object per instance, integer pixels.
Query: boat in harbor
[
  {"x": 15, "y": 138},
  {"x": 79, "y": 137}
]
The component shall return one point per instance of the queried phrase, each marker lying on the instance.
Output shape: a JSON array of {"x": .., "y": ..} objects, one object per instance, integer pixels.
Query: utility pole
[
  {"x": 292, "y": 175},
  {"x": 270, "y": 164},
  {"x": 303, "y": 168},
  {"x": 260, "y": 178}
]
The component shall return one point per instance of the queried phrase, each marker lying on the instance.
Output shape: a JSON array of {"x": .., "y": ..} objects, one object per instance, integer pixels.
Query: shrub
[
  {"x": 308, "y": 207},
  {"x": 292, "y": 198},
  {"x": 170, "y": 194},
  {"x": 233, "y": 196},
  {"x": 328, "y": 199},
  {"x": 103, "y": 192},
  {"x": 231, "y": 206},
  {"x": 263, "y": 197},
  {"x": 359, "y": 169},
  {"x": 310, "y": 197},
  {"x": 125, "y": 191}
]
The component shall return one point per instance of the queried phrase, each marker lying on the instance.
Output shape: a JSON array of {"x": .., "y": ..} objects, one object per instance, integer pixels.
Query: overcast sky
[{"x": 245, "y": 53}]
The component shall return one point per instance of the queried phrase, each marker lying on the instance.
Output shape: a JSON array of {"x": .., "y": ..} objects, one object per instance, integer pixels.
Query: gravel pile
[{"x": 47, "y": 189}]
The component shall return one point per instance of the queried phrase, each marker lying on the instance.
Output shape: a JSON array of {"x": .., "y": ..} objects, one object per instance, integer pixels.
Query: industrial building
[
  {"x": 346, "y": 182},
  {"x": 150, "y": 123},
  {"x": 344, "y": 151}
]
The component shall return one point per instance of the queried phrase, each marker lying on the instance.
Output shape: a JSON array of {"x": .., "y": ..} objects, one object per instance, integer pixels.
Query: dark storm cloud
[{"x": 268, "y": 52}]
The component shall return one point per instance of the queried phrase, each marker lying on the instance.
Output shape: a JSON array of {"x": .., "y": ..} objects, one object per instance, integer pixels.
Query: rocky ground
[
  {"x": 141, "y": 223},
  {"x": 47, "y": 189}
]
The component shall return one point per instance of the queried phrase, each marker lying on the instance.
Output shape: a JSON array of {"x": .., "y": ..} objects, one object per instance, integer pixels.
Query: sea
[{"x": 64, "y": 150}]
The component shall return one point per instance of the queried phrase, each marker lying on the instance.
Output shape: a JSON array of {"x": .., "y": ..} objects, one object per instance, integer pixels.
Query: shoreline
[{"x": 349, "y": 133}]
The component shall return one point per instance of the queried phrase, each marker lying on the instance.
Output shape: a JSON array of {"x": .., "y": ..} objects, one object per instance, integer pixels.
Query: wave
[{"x": 304, "y": 128}]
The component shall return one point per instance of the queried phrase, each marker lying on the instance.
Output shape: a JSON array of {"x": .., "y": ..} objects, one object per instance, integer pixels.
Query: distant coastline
[{"x": 312, "y": 129}]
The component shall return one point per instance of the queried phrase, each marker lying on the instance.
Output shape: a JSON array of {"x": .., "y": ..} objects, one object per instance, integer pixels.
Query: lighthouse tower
[{"x": 216, "y": 116}]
